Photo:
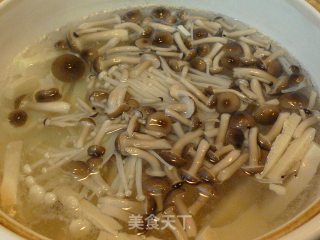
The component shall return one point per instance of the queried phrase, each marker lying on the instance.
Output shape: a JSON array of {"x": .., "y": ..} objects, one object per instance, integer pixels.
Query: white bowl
[{"x": 292, "y": 23}]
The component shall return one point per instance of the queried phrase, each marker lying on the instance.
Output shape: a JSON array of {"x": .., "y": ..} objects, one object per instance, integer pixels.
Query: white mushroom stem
[
  {"x": 255, "y": 43},
  {"x": 225, "y": 162},
  {"x": 101, "y": 132},
  {"x": 294, "y": 153},
  {"x": 114, "y": 60},
  {"x": 146, "y": 144},
  {"x": 209, "y": 40},
  {"x": 248, "y": 57},
  {"x": 257, "y": 90},
  {"x": 281, "y": 143},
  {"x": 155, "y": 169},
  {"x": 171, "y": 48},
  {"x": 225, "y": 24},
  {"x": 162, "y": 27},
  {"x": 177, "y": 38},
  {"x": 177, "y": 229},
  {"x": 251, "y": 73},
  {"x": 83, "y": 136},
  {"x": 129, "y": 25},
  {"x": 202, "y": 149},
  {"x": 228, "y": 172},
  {"x": 152, "y": 133},
  {"x": 312, "y": 99},
  {"x": 304, "y": 125},
  {"x": 110, "y": 44},
  {"x": 240, "y": 33},
  {"x": 277, "y": 127},
  {"x": 115, "y": 212},
  {"x": 52, "y": 107},
  {"x": 189, "y": 224},
  {"x": 224, "y": 150},
  {"x": 142, "y": 136},
  {"x": 122, "y": 49},
  {"x": 122, "y": 174},
  {"x": 173, "y": 175},
  {"x": 274, "y": 56},
  {"x": 140, "y": 196},
  {"x": 214, "y": 51},
  {"x": 184, "y": 140},
  {"x": 81, "y": 32},
  {"x": 157, "y": 156},
  {"x": 10, "y": 179},
  {"x": 132, "y": 125},
  {"x": 244, "y": 87},
  {"x": 100, "y": 220},
  {"x": 272, "y": 102},
  {"x": 177, "y": 128},
  {"x": 224, "y": 123},
  {"x": 254, "y": 150},
  {"x": 216, "y": 62},
  {"x": 170, "y": 54},
  {"x": 171, "y": 113},
  {"x": 111, "y": 21}
]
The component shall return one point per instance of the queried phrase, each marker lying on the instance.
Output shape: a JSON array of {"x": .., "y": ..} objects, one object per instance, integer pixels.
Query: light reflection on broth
[{"x": 157, "y": 112}]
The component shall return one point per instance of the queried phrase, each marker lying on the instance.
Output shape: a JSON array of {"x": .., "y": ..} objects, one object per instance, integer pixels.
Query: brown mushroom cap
[
  {"x": 295, "y": 79},
  {"x": 294, "y": 100},
  {"x": 159, "y": 122},
  {"x": 147, "y": 32},
  {"x": 99, "y": 96},
  {"x": 48, "y": 95},
  {"x": 233, "y": 49},
  {"x": 156, "y": 186},
  {"x": 241, "y": 120},
  {"x": 205, "y": 176},
  {"x": 280, "y": 85},
  {"x": 94, "y": 164},
  {"x": 267, "y": 114},
  {"x": 162, "y": 39},
  {"x": 96, "y": 151},
  {"x": 189, "y": 178},
  {"x": 206, "y": 190},
  {"x": 211, "y": 156},
  {"x": 229, "y": 62},
  {"x": 61, "y": 45},
  {"x": 175, "y": 65},
  {"x": 134, "y": 16},
  {"x": 172, "y": 158},
  {"x": 18, "y": 118},
  {"x": 160, "y": 13},
  {"x": 227, "y": 102},
  {"x": 264, "y": 142},
  {"x": 203, "y": 50},
  {"x": 68, "y": 68},
  {"x": 275, "y": 68},
  {"x": 199, "y": 64},
  {"x": 143, "y": 42},
  {"x": 235, "y": 137},
  {"x": 200, "y": 33},
  {"x": 77, "y": 169}
]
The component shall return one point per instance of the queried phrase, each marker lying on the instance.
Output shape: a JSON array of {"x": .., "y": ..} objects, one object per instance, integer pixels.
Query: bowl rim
[{"x": 302, "y": 218}]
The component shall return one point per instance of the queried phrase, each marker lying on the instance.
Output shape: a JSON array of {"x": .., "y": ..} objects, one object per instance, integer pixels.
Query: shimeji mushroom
[
  {"x": 174, "y": 177},
  {"x": 304, "y": 125},
  {"x": 251, "y": 73},
  {"x": 175, "y": 197},
  {"x": 147, "y": 60},
  {"x": 293, "y": 154},
  {"x": 227, "y": 102},
  {"x": 281, "y": 143},
  {"x": 244, "y": 87},
  {"x": 68, "y": 68},
  {"x": 224, "y": 122},
  {"x": 223, "y": 163},
  {"x": 18, "y": 118},
  {"x": 294, "y": 100},
  {"x": 88, "y": 125},
  {"x": 80, "y": 228},
  {"x": 10, "y": 178},
  {"x": 116, "y": 102},
  {"x": 254, "y": 151},
  {"x": 77, "y": 169},
  {"x": 235, "y": 137},
  {"x": 190, "y": 175},
  {"x": 50, "y": 107},
  {"x": 265, "y": 141},
  {"x": 47, "y": 95},
  {"x": 241, "y": 120},
  {"x": 96, "y": 151},
  {"x": 157, "y": 188},
  {"x": 256, "y": 88},
  {"x": 228, "y": 172},
  {"x": 159, "y": 122},
  {"x": 267, "y": 114},
  {"x": 124, "y": 141},
  {"x": 134, "y": 16},
  {"x": 205, "y": 191},
  {"x": 104, "y": 64},
  {"x": 106, "y": 22},
  {"x": 79, "y": 43},
  {"x": 173, "y": 156}
]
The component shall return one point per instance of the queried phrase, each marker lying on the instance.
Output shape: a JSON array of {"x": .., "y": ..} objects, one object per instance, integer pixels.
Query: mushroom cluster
[{"x": 174, "y": 105}]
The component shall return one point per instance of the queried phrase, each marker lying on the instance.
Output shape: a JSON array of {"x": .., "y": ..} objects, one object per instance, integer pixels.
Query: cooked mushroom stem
[
  {"x": 177, "y": 230},
  {"x": 248, "y": 57},
  {"x": 174, "y": 177},
  {"x": 177, "y": 128},
  {"x": 129, "y": 25},
  {"x": 227, "y": 173},
  {"x": 216, "y": 68},
  {"x": 240, "y": 33},
  {"x": 224, "y": 150},
  {"x": 114, "y": 20},
  {"x": 209, "y": 40},
  {"x": 122, "y": 174},
  {"x": 155, "y": 169},
  {"x": 203, "y": 147},
  {"x": 171, "y": 113},
  {"x": 162, "y": 27},
  {"x": 214, "y": 51},
  {"x": 84, "y": 133},
  {"x": 122, "y": 49},
  {"x": 106, "y": 64},
  {"x": 198, "y": 204},
  {"x": 281, "y": 143},
  {"x": 181, "y": 45},
  {"x": 225, "y": 162},
  {"x": 257, "y": 90},
  {"x": 145, "y": 144},
  {"x": 224, "y": 123},
  {"x": 140, "y": 196},
  {"x": 53, "y": 107},
  {"x": 185, "y": 139},
  {"x": 182, "y": 209},
  {"x": 243, "y": 85},
  {"x": 250, "y": 73},
  {"x": 266, "y": 140},
  {"x": 304, "y": 125},
  {"x": 294, "y": 153},
  {"x": 131, "y": 125},
  {"x": 253, "y": 147},
  {"x": 312, "y": 99},
  {"x": 100, "y": 134}
]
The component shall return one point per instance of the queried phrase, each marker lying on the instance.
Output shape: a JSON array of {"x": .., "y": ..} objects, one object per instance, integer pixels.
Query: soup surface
[{"x": 157, "y": 123}]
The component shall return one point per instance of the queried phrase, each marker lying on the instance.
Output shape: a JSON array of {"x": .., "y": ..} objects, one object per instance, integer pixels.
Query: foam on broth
[{"x": 235, "y": 212}]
